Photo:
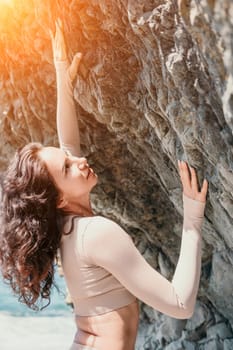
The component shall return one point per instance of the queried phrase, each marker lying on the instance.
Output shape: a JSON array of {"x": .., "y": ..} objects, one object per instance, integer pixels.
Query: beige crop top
[
  {"x": 102, "y": 267},
  {"x": 105, "y": 271}
]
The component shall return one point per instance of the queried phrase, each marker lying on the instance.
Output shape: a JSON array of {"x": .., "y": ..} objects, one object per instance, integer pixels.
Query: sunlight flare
[{"x": 6, "y": 2}]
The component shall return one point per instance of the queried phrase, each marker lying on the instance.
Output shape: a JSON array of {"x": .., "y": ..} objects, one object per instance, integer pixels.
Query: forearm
[
  {"x": 121, "y": 258},
  {"x": 67, "y": 123},
  {"x": 187, "y": 274}
]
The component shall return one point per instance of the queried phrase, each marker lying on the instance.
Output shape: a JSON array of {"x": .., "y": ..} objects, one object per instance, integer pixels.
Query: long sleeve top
[
  {"x": 102, "y": 267},
  {"x": 67, "y": 122}
]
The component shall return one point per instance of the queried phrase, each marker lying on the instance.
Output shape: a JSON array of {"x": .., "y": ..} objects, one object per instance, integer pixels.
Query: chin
[{"x": 95, "y": 180}]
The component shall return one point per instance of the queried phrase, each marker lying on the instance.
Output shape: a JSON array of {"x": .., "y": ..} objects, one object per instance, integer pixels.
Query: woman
[{"x": 46, "y": 206}]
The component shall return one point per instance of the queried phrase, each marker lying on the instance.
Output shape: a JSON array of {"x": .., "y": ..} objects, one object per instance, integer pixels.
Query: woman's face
[{"x": 72, "y": 175}]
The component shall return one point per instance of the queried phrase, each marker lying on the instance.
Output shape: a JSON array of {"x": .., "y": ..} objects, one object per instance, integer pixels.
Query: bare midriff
[{"x": 115, "y": 330}]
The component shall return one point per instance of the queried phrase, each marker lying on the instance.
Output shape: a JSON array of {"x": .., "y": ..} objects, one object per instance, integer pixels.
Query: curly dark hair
[{"x": 29, "y": 232}]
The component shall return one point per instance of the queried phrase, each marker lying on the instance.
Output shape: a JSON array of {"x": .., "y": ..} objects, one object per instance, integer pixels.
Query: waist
[
  {"x": 102, "y": 303},
  {"x": 116, "y": 329}
]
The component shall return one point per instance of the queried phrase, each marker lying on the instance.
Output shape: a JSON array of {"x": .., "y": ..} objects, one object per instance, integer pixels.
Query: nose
[{"x": 82, "y": 163}]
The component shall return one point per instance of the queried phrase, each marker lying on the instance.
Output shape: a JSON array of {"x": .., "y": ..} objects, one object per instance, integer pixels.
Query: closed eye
[{"x": 67, "y": 166}]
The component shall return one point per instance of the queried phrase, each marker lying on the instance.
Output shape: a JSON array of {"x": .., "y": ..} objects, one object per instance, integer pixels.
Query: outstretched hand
[
  {"x": 190, "y": 182},
  {"x": 59, "y": 50}
]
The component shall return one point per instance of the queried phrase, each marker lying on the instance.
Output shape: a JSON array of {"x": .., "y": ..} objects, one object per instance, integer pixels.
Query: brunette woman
[{"x": 46, "y": 206}]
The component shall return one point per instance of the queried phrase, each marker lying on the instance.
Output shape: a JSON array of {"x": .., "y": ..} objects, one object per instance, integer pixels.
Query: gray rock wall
[{"x": 155, "y": 85}]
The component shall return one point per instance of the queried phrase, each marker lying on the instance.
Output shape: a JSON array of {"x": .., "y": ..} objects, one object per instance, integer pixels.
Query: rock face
[{"x": 155, "y": 85}]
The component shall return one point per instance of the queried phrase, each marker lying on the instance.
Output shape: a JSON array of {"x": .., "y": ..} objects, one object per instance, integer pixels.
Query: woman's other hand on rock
[
  {"x": 190, "y": 182},
  {"x": 59, "y": 50},
  {"x": 73, "y": 68}
]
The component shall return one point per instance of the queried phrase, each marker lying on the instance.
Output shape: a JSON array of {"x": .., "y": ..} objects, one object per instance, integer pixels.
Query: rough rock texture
[{"x": 155, "y": 85}]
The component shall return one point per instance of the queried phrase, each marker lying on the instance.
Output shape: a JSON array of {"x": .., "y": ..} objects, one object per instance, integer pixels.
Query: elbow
[
  {"x": 185, "y": 306},
  {"x": 181, "y": 312},
  {"x": 186, "y": 312},
  {"x": 190, "y": 313}
]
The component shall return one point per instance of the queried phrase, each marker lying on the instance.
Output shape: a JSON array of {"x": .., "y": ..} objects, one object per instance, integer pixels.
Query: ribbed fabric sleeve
[
  {"x": 67, "y": 122},
  {"x": 108, "y": 245}
]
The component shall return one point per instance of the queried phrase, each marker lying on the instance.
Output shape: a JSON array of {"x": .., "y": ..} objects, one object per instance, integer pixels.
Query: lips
[{"x": 90, "y": 171}]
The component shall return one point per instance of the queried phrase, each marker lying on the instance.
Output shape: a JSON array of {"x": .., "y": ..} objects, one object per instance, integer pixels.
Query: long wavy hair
[{"x": 29, "y": 232}]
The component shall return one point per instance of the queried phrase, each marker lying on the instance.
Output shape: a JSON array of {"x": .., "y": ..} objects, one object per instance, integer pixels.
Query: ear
[{"x": 62, "y": 202}]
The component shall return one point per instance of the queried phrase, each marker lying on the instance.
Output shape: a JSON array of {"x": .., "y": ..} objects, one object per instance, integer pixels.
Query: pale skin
[{"x": 115, "y": 330}]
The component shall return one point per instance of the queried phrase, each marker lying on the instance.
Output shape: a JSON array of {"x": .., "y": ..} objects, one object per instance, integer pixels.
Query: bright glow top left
[{"x": 6, "y": 2}]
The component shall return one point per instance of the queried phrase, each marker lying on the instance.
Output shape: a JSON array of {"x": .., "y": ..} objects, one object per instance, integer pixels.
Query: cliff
[{"x": 155, "y": 85}]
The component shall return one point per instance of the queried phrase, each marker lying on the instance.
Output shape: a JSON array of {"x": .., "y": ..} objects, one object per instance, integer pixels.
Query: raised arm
[
  {"x": 108, "y": 245},
  {"x": 67, "y": 122}
]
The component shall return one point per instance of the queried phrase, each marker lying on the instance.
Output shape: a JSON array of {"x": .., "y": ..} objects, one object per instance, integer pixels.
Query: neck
[{"x": 80, "y": 208}]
